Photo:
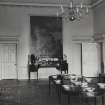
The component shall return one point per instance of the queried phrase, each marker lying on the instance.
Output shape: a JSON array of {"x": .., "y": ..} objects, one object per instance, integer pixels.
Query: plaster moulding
[
  {"x": 26, "y": 4},
  {"x": 87, "y": 38},
  {"x": 99, "y": 37},
  {"x": 6, "y": 39},
  {"x": 98, "y": 4}
]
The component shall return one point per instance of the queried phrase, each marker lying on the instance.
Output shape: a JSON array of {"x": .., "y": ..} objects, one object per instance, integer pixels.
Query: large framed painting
[{"x": 46, "y": 36}]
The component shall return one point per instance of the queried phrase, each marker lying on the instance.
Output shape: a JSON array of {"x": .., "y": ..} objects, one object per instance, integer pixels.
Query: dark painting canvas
[{"x": 46, "y": 36}]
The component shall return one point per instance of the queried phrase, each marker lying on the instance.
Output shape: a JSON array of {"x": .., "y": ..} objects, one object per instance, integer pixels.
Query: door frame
[
  {"x": 16, "y": 44},
  {"x": 82, "y": 57},
  {"x": 78, "y": 43}
]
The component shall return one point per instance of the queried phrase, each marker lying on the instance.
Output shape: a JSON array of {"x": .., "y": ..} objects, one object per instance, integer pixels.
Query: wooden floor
[{"x": 13, "y": 92}]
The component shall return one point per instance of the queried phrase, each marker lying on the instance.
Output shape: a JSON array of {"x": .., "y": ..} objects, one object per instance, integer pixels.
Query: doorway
[
  {"x": 8, "y": 61},
  {"x": 76, "y": 61},
  {"x": 91, "y": 59}
]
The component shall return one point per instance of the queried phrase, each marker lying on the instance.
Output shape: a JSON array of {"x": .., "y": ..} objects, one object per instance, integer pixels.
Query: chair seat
[{"x": 33, "y": 68}]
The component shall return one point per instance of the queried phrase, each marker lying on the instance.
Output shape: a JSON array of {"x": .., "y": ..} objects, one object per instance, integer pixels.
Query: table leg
[
  {"x": 69, "y": 99},
  {"x": 61, "y": 71},
  {"x": 37, "y": 75},
  {"x": 59, "y": 94},
  {"x": 95, "y": 99},
  {"x": 102, "y": 100},
  {"x": 29, "y": 75},
  {"x": 49, "y": 86}
]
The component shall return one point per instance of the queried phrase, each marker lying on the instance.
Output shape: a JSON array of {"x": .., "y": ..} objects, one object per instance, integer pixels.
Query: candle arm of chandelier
[
  {"x": 62, "y": 8},
  {"x": 72, "y": 11}
]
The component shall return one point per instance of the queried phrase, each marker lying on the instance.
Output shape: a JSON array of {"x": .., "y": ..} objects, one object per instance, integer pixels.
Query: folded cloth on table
[
  {"x": 84, "y": 84},
  {"x": 77, "y": 83},
  {"x": 101, "y": 85},
  {"x": 54, "y": 76},
  {"x": 66, "y": 87},
  {"x": 57, "y": 81}
]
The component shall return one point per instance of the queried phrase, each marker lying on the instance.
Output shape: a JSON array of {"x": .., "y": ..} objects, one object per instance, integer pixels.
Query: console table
[{"x": 61, "y": 66}]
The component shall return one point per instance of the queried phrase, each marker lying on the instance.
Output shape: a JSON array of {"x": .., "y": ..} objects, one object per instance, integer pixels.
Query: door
[
  {"x": 8, "y": 61},
  {"x": 76, "y": 60},
  {"x": 91, "y": 59}
]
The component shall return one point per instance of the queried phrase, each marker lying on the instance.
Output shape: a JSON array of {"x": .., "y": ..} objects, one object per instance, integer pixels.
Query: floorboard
[{"x": 33, "y": 92}]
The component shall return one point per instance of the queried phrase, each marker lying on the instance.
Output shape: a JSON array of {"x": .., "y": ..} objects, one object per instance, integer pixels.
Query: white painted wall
[
  {"x": 76, "y": 30},
  {"x": 99, "y": 24},
  {"x": 14, "y": 21},
  {"x": 99, "y": 17}
]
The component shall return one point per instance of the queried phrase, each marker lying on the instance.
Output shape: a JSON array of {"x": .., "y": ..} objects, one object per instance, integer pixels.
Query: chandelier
[{"x": 73, "y": 11}]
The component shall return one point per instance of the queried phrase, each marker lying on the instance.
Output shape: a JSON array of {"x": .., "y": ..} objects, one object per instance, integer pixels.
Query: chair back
[{"x": 33, "y": 59}]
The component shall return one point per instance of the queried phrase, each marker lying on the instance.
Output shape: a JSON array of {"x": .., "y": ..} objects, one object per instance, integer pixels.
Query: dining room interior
[{"x": 52, "y": 52}]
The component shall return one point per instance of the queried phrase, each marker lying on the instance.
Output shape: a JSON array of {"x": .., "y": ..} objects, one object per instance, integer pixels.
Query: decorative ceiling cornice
[
  {"x": 33, "y": 4},
  {"x": 97, "y": 3},
  {"x": 50, "y": 5},
  {"x": 28, "y": 4}
]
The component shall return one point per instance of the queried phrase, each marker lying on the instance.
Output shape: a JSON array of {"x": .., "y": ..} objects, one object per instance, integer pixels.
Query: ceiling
[
  {"x": 90, "y": 2},
  {"x": 93, "y": 1}
]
